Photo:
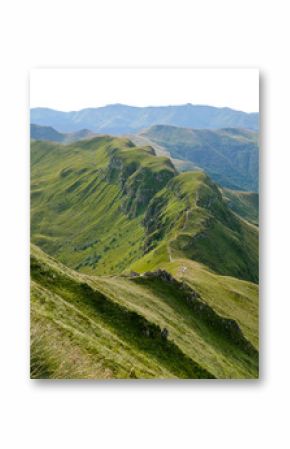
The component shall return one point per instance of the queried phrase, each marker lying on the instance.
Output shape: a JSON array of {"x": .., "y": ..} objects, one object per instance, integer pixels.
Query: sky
[{"x": 75, "y": 89}]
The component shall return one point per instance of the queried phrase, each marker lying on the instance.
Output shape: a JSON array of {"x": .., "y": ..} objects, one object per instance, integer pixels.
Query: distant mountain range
[
  {"x": 230, "y": 155},
  {"x": 50, "y": 134},
  {"x": 120, "y": 119}
]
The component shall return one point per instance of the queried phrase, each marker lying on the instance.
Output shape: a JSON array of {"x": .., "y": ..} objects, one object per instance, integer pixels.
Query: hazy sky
[{"x": 74, "y": 89}]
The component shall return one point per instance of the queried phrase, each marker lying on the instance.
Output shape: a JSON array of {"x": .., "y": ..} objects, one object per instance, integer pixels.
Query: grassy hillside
[
  {"x": 100, "y": 205},
  {"x": 230, "y": 156},
  {"x": 189, "y": 219},
  {"x": 245, "y": 204},
  {"x": 145, "y": 327},
  {"x": 88, "y": 199},
  {"x": 151, "y": 276}
]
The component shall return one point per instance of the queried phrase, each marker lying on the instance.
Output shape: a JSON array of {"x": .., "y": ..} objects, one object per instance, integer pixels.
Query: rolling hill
[
  {"x": 230, "y": 156},
  {"x": 146, "y": 272},
  {"x": 120, "y": 119}
]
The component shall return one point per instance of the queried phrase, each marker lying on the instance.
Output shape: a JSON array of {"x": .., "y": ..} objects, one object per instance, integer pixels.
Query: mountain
[
  {"x": 88, "y": 200},
  {"x": 146, "y": 272},
  {"x": 120, "y": 119},
  {"x": 245, "y": 204},
  {"x": 188, "y": 219},
  {"x": 180, "y": 164},
  {"x": 154, "y": 326},
  {"x": 230, "y": 156},
  {"x": 48, "y": 133},
  {"x": 131, "y": 200}
]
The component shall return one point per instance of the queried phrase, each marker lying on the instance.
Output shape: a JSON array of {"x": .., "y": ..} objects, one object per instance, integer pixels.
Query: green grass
[
  {"x": 245, "y": 204},
  {"x": 190, "y": 215},
  {"x": 230, "y": 297},
  {"x": 91, "y": 326},
  {"x": 109, "y": 327},
  {"x": 103, "y": 207},
  {"x": 98, "y": 205},
  {"x": 93, "y": 191}
]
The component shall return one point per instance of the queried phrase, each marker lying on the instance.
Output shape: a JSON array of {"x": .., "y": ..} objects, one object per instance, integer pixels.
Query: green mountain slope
[
  {"x": 146, "y": 327},
  {"x": 109, "y": 210},
  {"x": 230, "y": 156},
  {"x": 88, "y": 199},
  {"x": 100, "y": 205},
  {"x": 245, "y": 204},
  {"x": 189, "y": 219}
]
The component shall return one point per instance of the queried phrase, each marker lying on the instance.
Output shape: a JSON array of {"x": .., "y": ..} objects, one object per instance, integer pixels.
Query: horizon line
[{"x": 139, "y": 107}]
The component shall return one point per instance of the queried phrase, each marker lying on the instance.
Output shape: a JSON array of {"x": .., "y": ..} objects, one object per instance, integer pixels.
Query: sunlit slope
[
  {"x": 88, "y": 200},
  {"x": 189, "y": 219},
  {"x": 103, "y": 205},
  {"x": 108, "y": 208},
  {"x": 228, "y": 296},
  {"x": 109, "y": 327}
]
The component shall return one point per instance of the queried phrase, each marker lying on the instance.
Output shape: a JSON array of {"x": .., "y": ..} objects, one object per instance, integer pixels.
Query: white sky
[{"x": 74, "y": 89}]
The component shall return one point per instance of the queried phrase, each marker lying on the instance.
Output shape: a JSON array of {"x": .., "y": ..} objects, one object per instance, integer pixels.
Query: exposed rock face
[
  {"x": 140, "y": 188},
  {"x": 138, "y": 180},
  {"x": 160, "y": 274},
  {"x": 154, "y": 230}
]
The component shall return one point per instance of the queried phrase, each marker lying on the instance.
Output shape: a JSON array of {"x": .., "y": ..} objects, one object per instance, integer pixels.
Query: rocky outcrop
[
  {"x": 226, "y": 327},
  {"x": 138, "y": 179},
  {"x": 160, "y": 274}
]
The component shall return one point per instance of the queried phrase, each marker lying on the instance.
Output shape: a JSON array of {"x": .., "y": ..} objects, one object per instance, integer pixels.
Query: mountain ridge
[
  {"x": 122, "y": 119},
  {"x": 130, "y": 189},
  {"x": 137, "y": 271}
]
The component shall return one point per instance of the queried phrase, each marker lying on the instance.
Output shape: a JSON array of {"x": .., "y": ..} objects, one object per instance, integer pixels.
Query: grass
[
  {"x": 102, "y": 208},
  {"x": 94, "y": 326},
  {"x": 245, "y": 204},
  {"x": 111, "y": 326},
  {"x": 77, "y": 198},
  {"x": 190, "y": 215}
]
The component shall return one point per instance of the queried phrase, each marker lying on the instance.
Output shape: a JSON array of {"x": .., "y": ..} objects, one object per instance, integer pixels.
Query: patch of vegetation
[{"x": 86, "y": 245}]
